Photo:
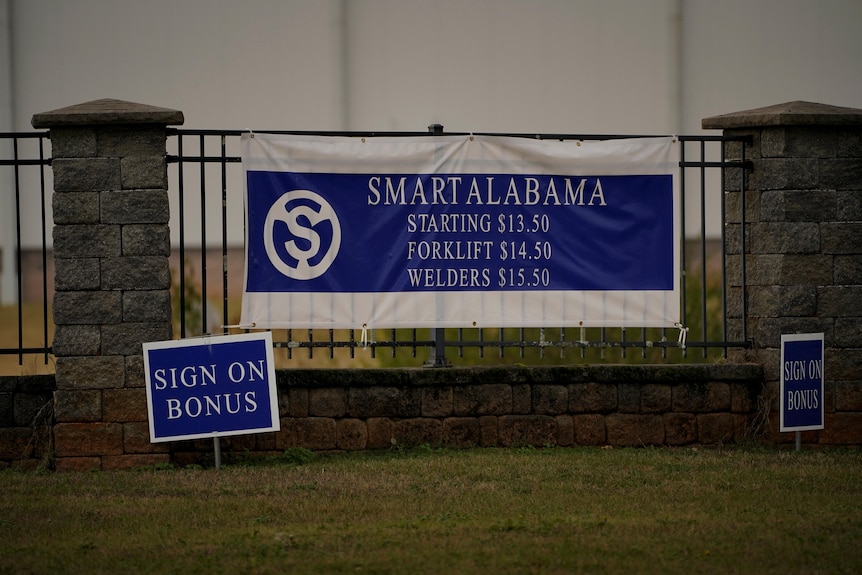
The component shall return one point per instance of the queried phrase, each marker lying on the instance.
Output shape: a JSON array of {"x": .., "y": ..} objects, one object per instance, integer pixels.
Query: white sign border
[
  {"x": 800, "y": 337},
  {"x": 275, "y": 422}
]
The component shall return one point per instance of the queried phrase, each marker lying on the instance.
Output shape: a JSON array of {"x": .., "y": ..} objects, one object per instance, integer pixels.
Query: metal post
[
  {"x": 217, "y": 451},
  {"x": 798, "y": 441},
  {"x": 438, "y": 356}
]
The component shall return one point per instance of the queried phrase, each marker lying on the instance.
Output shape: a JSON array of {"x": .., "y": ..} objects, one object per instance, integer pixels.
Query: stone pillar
[
  {"x": 803, "y": 248},
  {"x": 112, "y": 277}
]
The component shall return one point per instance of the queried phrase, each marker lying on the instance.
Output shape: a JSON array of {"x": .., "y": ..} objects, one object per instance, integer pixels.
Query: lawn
[{"x": 555, "y": 510}]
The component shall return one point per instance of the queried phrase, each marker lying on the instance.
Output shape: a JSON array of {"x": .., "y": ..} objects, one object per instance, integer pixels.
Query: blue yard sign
[
  {"x": 210, "y": 387},
  {"x": 801, "y": 393}
]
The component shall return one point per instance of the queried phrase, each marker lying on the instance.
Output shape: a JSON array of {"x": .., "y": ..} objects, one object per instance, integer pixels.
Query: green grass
[{"x": 437, "y": 511}]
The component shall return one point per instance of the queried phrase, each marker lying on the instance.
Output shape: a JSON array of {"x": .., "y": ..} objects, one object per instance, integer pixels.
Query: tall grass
[{"x": 428, "y": 511}]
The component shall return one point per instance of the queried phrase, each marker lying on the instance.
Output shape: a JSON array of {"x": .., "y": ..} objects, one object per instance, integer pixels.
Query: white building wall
[{"x": 583, "y": 66}]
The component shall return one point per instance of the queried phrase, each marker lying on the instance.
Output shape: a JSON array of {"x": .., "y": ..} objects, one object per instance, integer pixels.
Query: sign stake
[{"x": 217, "y": 452}]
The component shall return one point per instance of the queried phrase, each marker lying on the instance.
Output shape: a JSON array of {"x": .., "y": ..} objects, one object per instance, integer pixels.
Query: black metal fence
[
  {"x": 208, "y": 269},
  {"x": 25, "y": 263}
]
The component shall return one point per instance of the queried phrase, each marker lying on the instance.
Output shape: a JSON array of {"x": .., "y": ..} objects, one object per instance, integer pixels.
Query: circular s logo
[{"x": 312, "y": 234}]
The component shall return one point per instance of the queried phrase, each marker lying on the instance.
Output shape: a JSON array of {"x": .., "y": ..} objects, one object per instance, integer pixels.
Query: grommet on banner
[{"x": 683, "y": 333}]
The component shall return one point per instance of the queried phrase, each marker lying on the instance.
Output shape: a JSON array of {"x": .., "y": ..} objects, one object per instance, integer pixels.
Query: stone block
[
  {"x": 147, "y": 306},
  {"x": 76, "y": 208},
  {"x": 375, "y": 402},
  {"x": 418, "y": 431},
  {"x": 701, "y": 397},
  {"x": 839, "y": 301},
  {"x": 589, "y": 429},
  {"x": 137, "y": 140},
  {"x": 77, "y": 406},
  {"x": 733, "y": 205},
  {"x": 144, "y": 172},
  {"x": 786, "y": 174},
  {"x": 73, "y": 142},
  {"x": 550, "y": 399},
  {"x": 86, "y": 174},
  {"x": 437, "y": 401},
  {"x": 781, "y": 301},
  {"x": 841, "y": 174},
  {"x": 351, "y": 434},
  {"x": 849, "y": 206},
  {"x": 592, "y": 397},
  {"x": 842, "y": 428},
  {"x": 565, "y": 430},
  {"x": 848, "y": 269},
  {"x": 146, "y": 240},
  {"x": 848, "y": 332},
  {"x": 327, "y": 402},
  {"x": 768, "y": 331},
  {"x": 135, "y": 273},
  {"x": 655, "y": 398},
  {"x": 798, "y": 141},
  {"x": 135, "y": 370},
  {"x": 298, "y": 401},
  {"x": 680, "y": 428},
  {"x": 76, "y": 274},
  {"x": 124, "y": 405},
  {"x": 86, "y": 241},
  {"x": 784, "y": 238},
  {"x": 285, "y": 438},
  {"x": 842, "y": 238},
  {"x": 743, "y": 397},
  {"x": 83, "y": 372},
  {"x": 519, "y": 430},
  {"x": 490, "y": 431},
  {"x": 799, "y": 206},
  {"x": 522, "y": 399},
  {"x": 88, "y": 439},
  {"x": 848, "y": 396},
  {"x": 76, "y": 340},
  {"x": 462, "y": 432},
  {"x": 135, "y": 207},
  {"x": 634, "y": 430},
  {"x": 126, "y": 338},
  {"x": 842, "y": 364},
  {"x": 316, "y": 433},
  {"x": 489, "y": 399},
  {"x": 715, "y": 428},
  {"x": 629, "y": 397},
  {"x": 87, "y": 307},
  {"x": 379, "y": 432},
  {"x": 136, "y": 439}
]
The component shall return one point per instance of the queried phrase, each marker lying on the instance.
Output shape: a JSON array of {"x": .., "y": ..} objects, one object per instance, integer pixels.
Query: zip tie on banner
[
  {"x": 363, "y": 337},
  {"x": 683, "y": 333}
]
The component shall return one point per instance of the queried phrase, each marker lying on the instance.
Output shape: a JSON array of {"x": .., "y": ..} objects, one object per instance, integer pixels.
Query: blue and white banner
[{"x": 460, "y": 231}]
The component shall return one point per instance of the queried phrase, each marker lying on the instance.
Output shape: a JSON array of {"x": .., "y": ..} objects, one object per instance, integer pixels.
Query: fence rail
[
  {"x": 24, "y": 297},
  {"x": 208, "y": 183}
]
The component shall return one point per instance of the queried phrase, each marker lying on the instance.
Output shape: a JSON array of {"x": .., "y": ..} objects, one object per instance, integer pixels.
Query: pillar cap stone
[
  {"x": 107, "y": 111},
  {"x": 796, "y": 113}
]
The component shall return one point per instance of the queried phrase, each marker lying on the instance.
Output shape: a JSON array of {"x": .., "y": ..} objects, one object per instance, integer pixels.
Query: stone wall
[
  {"x": 802, "y": 234},
  {"x": 803, "y": 248},
  {"x": 617, "y": 405},
  {"x": 111, "y": 277}
]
